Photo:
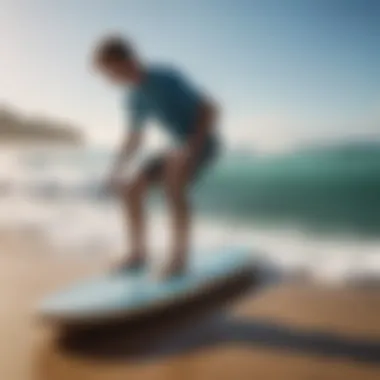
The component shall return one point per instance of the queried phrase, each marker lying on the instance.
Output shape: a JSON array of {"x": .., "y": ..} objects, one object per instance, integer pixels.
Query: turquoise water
[{"x": 323, "y": 189}]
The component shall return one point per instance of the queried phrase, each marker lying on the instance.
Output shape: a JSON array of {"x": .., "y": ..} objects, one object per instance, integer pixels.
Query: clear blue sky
[{"x": 284, "y": 70}]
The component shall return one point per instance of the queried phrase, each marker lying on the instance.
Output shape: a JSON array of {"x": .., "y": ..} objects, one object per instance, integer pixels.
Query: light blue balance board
[{"x": 119, "y": 295}]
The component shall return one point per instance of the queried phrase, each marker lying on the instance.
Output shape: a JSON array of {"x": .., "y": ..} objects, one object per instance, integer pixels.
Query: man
[{"x": 187, "y": 116}]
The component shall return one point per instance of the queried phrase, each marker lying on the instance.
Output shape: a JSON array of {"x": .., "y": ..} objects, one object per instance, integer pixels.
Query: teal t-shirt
[{"x": 168, "y": 97}]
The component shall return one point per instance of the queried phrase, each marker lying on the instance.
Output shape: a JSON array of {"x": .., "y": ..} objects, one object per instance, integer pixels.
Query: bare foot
[
  {"x": 175, "y": 268},
  {"x": 133, "y": 262}
]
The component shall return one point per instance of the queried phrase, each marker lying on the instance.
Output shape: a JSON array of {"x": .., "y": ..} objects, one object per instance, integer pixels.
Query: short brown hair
[{"x": 113, "y": 48}]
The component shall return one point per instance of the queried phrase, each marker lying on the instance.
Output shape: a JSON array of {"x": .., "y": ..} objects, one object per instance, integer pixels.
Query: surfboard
[{"x": 118, "y": 295}]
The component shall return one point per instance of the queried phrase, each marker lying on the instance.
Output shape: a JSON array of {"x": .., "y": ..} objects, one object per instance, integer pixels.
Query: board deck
[{"x": 125, "y": 294}]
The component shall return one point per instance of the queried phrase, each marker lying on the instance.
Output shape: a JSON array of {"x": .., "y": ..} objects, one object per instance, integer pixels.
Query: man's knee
[
  {"x": 135, "y": 190},
  {"x": 176, "y": 193}
]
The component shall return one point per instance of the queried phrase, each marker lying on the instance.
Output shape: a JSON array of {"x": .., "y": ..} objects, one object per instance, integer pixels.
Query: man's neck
[{"x": 140, "y": 75}]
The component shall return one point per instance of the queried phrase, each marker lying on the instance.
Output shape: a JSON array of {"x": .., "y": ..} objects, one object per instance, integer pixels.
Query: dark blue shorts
[{"x": 154, "y": 167}]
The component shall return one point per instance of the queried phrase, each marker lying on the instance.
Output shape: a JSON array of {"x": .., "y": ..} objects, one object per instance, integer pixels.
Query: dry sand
[{"x": 293, "y": 331}]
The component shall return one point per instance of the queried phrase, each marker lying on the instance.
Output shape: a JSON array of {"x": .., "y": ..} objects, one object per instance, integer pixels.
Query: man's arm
[
  {"x": 205, "y": 121},
  {"x": 128, "y": 148}
]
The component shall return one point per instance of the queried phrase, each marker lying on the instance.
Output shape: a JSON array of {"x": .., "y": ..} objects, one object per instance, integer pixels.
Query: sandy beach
[{"x": 290, "y": 331}]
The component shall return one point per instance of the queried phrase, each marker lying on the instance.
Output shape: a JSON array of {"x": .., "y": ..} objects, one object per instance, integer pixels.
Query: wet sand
[{"x": 290, "y": 331}]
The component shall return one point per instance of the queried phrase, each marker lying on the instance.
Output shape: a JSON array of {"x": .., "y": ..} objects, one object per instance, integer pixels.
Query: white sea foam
[{"x": 88, "y": 229}]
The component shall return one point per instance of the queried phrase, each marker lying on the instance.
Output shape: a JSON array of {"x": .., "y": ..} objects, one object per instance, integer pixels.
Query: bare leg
[
  {"x": 176, "y": 180},
  {"x": 133, "y": 196},
  {"x": 180, "y": 214}
]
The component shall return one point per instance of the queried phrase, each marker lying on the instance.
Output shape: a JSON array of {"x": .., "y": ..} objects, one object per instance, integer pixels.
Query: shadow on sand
[{"x": 202, "y": 324}]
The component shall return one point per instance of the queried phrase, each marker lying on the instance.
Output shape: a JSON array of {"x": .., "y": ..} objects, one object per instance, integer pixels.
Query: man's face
[{"x": 118, "y": 71}]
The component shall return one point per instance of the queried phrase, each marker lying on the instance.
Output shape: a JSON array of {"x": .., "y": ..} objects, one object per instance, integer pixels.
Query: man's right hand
[
  {"x": 114, "y": 184},
  {"x": 129, "y": 146}
]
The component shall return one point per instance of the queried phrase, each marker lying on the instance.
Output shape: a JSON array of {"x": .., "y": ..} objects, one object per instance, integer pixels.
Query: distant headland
[{"x": 15, "y": 127}]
